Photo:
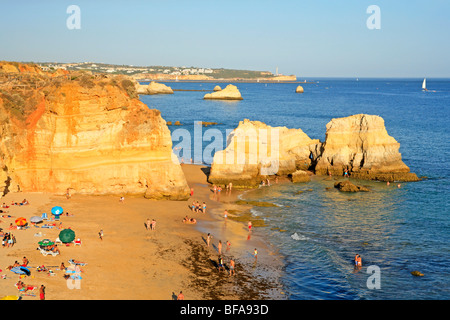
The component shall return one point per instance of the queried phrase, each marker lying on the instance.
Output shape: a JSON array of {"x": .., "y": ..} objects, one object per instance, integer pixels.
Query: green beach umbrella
[
  {"x": 46, "y": 243},
  {"x": 67, "y": 235}
]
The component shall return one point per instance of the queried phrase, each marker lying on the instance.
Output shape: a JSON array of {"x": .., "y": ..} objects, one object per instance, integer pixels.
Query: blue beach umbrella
[{"x": 57, "y": 211}]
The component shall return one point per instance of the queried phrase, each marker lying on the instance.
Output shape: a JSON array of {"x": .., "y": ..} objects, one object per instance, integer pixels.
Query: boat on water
[{"x": 424, "y": 85}]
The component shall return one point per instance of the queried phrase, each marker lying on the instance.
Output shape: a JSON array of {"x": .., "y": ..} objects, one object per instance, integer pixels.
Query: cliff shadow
[{"x": 206, "y": 171}]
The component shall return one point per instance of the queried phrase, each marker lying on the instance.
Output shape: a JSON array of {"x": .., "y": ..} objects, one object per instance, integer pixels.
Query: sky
[{"x": 315, "y": 38}]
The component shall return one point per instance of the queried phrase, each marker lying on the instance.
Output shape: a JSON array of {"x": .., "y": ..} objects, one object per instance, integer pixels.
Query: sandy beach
[{"x": 131, "y": 262}]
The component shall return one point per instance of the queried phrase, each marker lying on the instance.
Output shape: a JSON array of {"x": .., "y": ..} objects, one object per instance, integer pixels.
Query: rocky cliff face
[
  {"x": 361, "y": 145},
  {"x": 256, "y": 150},
  {"x": 86, "y": 134}
]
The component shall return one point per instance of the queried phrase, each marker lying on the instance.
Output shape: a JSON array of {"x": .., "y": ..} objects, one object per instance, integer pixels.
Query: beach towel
[
  {"x": 79, "y": 263},
  {"x": 21, "y": 270}
]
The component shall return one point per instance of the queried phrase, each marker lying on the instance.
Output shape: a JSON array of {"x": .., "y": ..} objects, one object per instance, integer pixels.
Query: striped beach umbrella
[{"x": 21, "y": 221}]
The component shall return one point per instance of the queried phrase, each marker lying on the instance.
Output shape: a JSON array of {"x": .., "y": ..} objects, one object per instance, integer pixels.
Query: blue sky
[{"x": 315, "y": 38}]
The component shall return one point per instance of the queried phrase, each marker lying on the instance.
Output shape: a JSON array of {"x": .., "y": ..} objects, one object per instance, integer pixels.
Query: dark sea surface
[{"x": 395, "y": 230}]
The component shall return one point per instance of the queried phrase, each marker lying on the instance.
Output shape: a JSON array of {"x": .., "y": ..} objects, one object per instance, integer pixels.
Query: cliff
[
  {"x": 361, "y": 144},
  {"x": 256, "y": 150},
  {"x": 87, "y": 134}
]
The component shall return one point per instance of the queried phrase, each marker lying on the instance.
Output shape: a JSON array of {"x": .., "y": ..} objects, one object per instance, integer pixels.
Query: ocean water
[{"x": 395, "y": 230}]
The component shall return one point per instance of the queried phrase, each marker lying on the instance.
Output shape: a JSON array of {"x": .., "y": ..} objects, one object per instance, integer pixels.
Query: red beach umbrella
[{"x": 21, "y": 221}]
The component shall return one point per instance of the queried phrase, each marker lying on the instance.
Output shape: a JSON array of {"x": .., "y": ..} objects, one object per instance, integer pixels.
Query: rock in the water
[
  {"x": 300, "y": 176},
  {"x": 256, "y": 150},
  {"x": 299, "y": 89},
  {"x": 231, "y": 92},
  {"x": 347, "y": 186},
  {"x": 417, "y": 273},
  {"x": 217, "y": 88},
  {"x": 158, "y": 88},
  {"x": 361, "y": 144}
]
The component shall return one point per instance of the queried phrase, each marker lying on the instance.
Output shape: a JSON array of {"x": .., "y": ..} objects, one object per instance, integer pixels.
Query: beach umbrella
[
  {"x": 35, "y": 219},
  {"x": 57, "y": 210},
  {"x": 21, "y": 221},
  {"x": 10, "y": 298},
  {"x": 67, "y": 235},
  {"x": 45, "y": 243}
]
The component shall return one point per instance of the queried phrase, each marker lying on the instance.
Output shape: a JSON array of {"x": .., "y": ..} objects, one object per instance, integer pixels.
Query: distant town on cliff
[{"x": 166, "y": 72}]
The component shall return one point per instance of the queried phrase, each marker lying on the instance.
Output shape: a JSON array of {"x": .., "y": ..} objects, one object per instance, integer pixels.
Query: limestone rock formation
[
  {"x": 299, "y": 89},
  {"x": 89, "y": 135},
  {"x": 231, "y": 92},
  {"x": 256, "y": 150},
  {"x": 153, "y": 88},
  {"x": 347, "y": 186},
  {"x": 361, "y": 144},
  {"x": 300, "y": 176},
  {"x": 217, "y": 88}
]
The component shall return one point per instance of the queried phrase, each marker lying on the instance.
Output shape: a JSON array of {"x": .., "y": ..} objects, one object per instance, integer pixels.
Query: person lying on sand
[
  {"x": 54, "y": 248},
  {"x": 23, "y": 287},
  {"x": 190, "y": 221}
]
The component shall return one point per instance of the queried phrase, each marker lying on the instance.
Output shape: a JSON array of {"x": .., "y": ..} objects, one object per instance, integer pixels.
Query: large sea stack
[
  {"x": 83, "y": 133},
  {"x": 361, "y": 145},
  {"x": 256, "y": 151}
]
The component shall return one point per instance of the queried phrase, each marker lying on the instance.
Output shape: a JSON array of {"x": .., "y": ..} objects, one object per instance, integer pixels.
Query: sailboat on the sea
[{"x": 424, "y": 84}]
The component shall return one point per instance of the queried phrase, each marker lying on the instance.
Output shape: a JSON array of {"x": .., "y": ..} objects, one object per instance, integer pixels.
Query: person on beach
[
  {"x": 121, "y": 199},
  {"x": 25, "y": 262},
  {"x": 204, "y": 207},
  {"x": 225, "y": 214},
  {"x": 54, "y": 248},
  {"x": 208, "y": 239},
  {"x": 219, "y": 247},
  {"x": 180, "y": 296},
  {"x": 228, "y": 245},
  {"x": 346, "y": 173},
  {"x": 42, "y": 292},
  {"x": 192, "y": 192},
  {"x": 249, "y": 226},
  {"x": 100, "y": 234},
  {"x": 148, "y": 224},
  {"x": 153, "y": 225},
  {"x": 232, "y": 266},
  {"x": 255, "y": 254},
  {"x": 230, "y": 186},
  {"x": 220, "y": 263}
]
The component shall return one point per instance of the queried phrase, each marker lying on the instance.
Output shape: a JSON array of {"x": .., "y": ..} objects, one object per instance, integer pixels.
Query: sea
[{"x": 318, "y": 229}]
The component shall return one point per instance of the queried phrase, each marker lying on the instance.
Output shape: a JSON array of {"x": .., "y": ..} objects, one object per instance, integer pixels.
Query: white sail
[{"x": 424, "y": 84}]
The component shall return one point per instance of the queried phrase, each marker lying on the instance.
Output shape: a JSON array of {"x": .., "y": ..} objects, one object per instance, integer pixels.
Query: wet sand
[{"x": 133, "y": 263}]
